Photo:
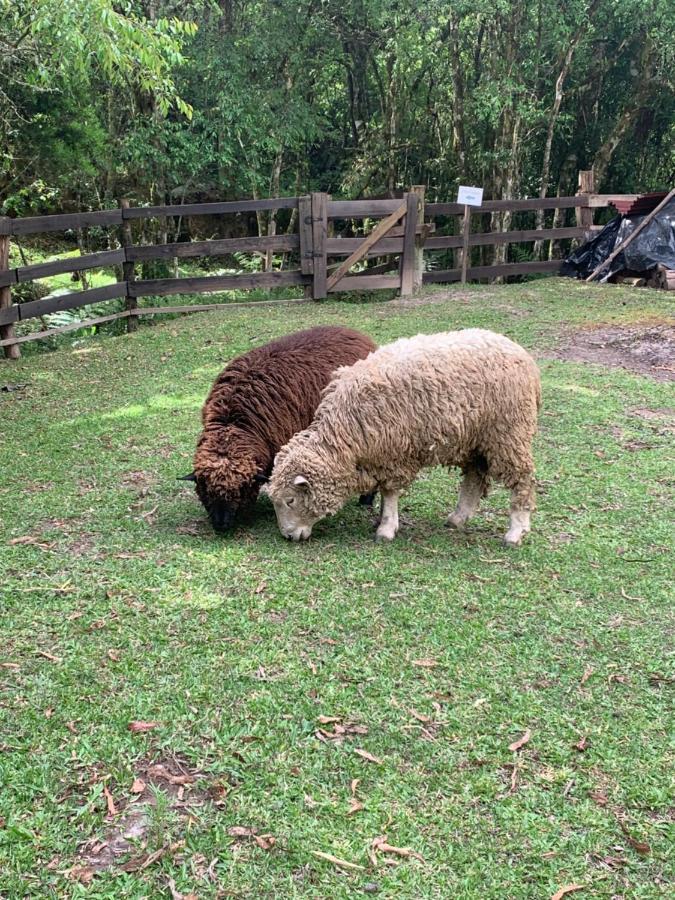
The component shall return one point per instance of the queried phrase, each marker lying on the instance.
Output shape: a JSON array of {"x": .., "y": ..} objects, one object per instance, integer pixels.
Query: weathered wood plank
[
  {"x": 205, "y": 307},
  {"x": 8, "y": 276},
  {"x": 457, "y": 209},
  {"x": 7, "y": 328},
  {"x": 72, "y": 264},
  {"x": 60, "y": 222},
  {"x": 366, "y": 283},
  {"x": 346, "y": 246},
  {"x": 408, "y": 258},
  {"x": 524, "y": 268},
  {"x": 369, "y": 241},
  {"x": 128, "y": 268},
  {"x": 162, "y": 287},
  {"x": 441, "y": 242},
  {"x": 305, "y": 234},
  {"x": 211, "y": 209},
  {"x": 186, "y": 249},
  {"x": 62, "y": 329},
  {"x": 319, "y": 238},
  {"x": 361, "y": 209},
  {"x": 9, "y": 314},
  {"x": 47, "y": 305}
]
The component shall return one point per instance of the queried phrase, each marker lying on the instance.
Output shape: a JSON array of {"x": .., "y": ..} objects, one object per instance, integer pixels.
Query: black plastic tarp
[{"x": 655, "y": 245}]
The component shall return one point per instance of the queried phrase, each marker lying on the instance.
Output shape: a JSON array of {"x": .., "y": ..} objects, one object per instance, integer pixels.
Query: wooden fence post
[
  {"x": 418, "y": 191},
  {"x": 12, "y": 351},
  {"x": 128, "y": 270},
  {"x": 408, "y": 257},
  {"x": 584, "y": 214},
  {"x": 466, "y": 230},
  {"x": 306, "y": 245},
  {"x": 319, "y": 203}
]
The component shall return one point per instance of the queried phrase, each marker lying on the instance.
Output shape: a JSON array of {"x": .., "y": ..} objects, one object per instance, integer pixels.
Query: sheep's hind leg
[
  {"x": 473, "y": 488},
  {"x": 522, "y": 504},
  {"x": 388, "y": 527}
]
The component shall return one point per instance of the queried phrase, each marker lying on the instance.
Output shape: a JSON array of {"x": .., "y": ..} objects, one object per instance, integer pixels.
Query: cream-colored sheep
[{"x": 460, "y": 398}]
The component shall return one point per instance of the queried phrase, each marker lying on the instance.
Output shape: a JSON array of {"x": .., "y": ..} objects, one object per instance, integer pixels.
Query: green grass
[{"x": 237, "y": 645}]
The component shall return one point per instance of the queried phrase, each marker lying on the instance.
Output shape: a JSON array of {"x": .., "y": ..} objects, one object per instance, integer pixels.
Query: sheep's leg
[
  {"x": 386, "y": 530},
  {"x": 473, "y": 488},
  {"x": 367, "y": 499},
  {"x": 522, "y": 504}
]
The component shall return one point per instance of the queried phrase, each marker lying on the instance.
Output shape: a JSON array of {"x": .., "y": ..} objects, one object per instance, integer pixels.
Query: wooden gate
[{"x": 399, "y": 233}]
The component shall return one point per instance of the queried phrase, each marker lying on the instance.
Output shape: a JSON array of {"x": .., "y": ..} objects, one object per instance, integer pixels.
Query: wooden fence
[{"x": 400, "y": 238}]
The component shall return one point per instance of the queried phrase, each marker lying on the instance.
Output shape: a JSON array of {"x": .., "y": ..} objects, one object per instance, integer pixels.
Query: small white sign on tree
[{"x": 470, "y": 196}]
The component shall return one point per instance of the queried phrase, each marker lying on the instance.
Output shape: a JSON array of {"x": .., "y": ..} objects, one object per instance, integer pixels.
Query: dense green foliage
[
  {"x": 161, "y": 100},
  {"x": 118, "y": 603}
]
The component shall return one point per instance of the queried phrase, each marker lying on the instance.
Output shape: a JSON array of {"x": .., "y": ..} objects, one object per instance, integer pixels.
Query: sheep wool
[
  {"x": 256, "y": 404},
  {"x": 468, "y": 399}
]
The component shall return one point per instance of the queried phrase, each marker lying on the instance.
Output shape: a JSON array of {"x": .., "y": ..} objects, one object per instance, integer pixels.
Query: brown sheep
[{"x": 256, "y": 405}]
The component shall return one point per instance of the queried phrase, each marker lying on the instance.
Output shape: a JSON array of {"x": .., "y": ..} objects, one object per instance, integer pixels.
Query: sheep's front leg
[
  {"x": 388, "y": 526},
  {"x": 522, "y": 504}
]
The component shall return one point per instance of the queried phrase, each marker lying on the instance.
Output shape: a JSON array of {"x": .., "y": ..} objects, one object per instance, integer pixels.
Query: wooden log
[
  {"x": 504, "y": 269},
  {"x": 361, "y": 209},
  {"x": 62, "y": 329},
  {"x": 366, "y": 283},
  {"x": 211, "y": 209},
  {"x": 162, "y": 287},
  {"x": 375, "y": 235},
  {"x": 408, "y": 259},
  {"x": 631, "y": 237},
  {"x": 305, "y": 239},
  {"x": 457, "y": 209},
  {"x": 7, "y": 333},
  {"x": 61, "y": 222},
  {"x": 72, "y": 264},
  {"x": 319, "y": 204},
  {"x": 128, "y": 269},
  {"x": 441, "y": 242},
  {"x": 74, "y": 300}
]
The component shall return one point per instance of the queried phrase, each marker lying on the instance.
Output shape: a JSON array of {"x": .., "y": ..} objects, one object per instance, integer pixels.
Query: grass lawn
[{"x": 265, "y": 668}]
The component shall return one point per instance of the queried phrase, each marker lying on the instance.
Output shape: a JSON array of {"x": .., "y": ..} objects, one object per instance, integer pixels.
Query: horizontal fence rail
[{"x": 396, "y": 245}]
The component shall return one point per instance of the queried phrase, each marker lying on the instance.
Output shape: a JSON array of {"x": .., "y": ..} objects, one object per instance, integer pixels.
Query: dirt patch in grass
[
  {"x": 647, "y": 348},
  {"x": 133, "y": 830}
]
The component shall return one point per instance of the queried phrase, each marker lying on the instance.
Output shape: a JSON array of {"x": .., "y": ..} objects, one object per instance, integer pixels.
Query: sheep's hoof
[
  {"x": 455, "y": 521},
  {"x": 382, "y": 536},
  {"x": 513, "y": 540}
]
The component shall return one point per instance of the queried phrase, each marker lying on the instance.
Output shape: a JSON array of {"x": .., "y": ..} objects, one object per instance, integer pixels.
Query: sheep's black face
[{"x": 223, "y": 502}]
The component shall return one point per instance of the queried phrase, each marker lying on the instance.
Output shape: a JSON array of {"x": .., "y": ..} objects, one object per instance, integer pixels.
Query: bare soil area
[{"x": 647, "y": 348}]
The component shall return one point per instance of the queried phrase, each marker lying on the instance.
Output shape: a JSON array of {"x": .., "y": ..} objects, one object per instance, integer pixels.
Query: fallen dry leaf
[
  {"x": 136, "y": 727},
  {"x": 641, "y": 847},
  {"x": 49, "y": 712},
  {"x": 260, "y": 588},
  {"x": 326, "y": 720},
  {"x": 354, "y": 806},
  {"x": 264, "y": 841},
  {"x": 380, "y": 845},
  {"x": 516, "y": 745},
  {"x": 369, "y": 756},
  {"x": 567, "y": 889},
  {"x": 160, "y": 771},
  {"x": 110, "y": 803},
  {"x": 7, "y": 665},
  {"x": 588, "y": 671},
  {"x": 342, "y": 863},
  {"x": 138, "y": 786},
  {"x": 49, "y": 656},
  {"x": 83, "y": 874},
  {"x": 71, "y": 727},
  {"x": 34, "y": 541},
  {"x": 420, "y": 716},
  {"x": 176, "y": 894},
  {"x": 425, "y": 663},
  {"x": 114, "y": 655},
  {"x": 582, "y": 744}
]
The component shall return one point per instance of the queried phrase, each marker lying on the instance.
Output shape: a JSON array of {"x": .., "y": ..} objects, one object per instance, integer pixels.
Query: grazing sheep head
[
  {"x": 302, "y": 495},
  {"x": 224, "y": 486}
]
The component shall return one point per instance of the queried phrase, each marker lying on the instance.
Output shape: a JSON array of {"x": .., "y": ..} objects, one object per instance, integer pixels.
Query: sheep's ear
[
  {"x": 190, "y": 477},
  {"x": 301, "y": 481}
]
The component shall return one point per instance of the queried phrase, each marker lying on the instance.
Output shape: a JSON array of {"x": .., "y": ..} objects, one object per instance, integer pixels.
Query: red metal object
[{"x": 638, "y": 206}]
